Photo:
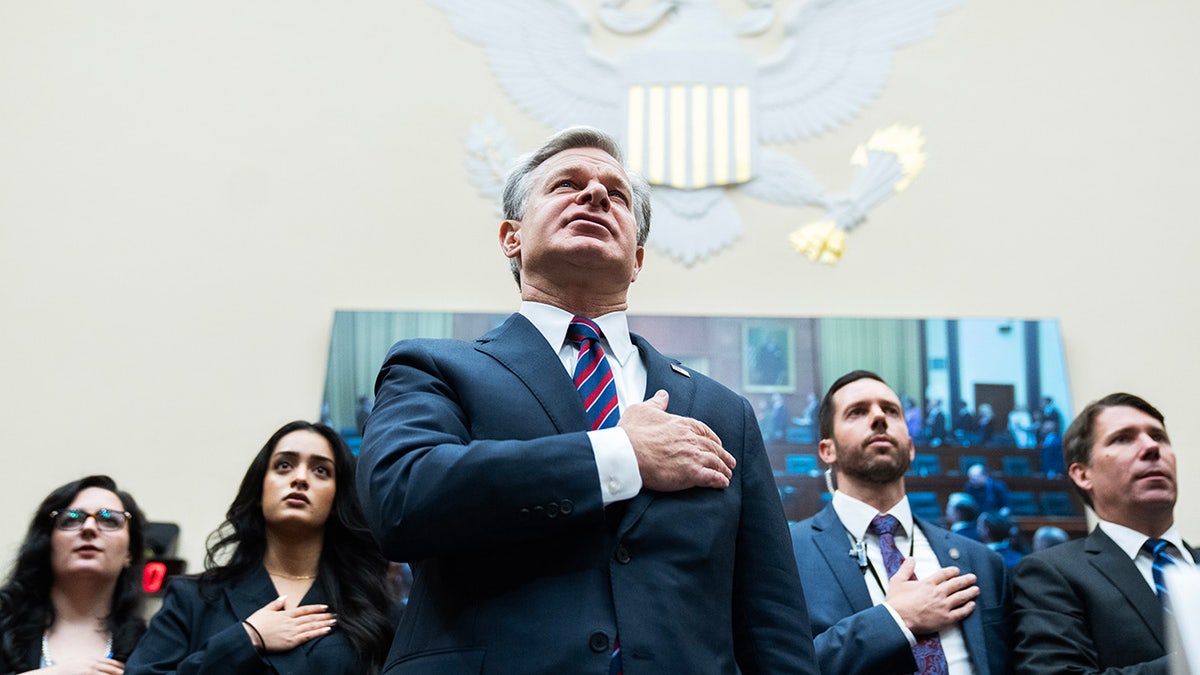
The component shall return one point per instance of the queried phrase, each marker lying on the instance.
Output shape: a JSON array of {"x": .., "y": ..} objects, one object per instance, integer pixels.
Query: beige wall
[{"x": 189, "y": 189}]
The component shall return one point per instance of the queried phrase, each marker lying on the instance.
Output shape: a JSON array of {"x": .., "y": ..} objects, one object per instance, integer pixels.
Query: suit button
[
  {"x": 552, "y": 510},
  {"x": 622, "y": 555},
  {"x": 539, "y": 511},
  {"x": 566, "y": 507},
  {"x": 598, "y": 642},
  {"x": 524, "y": 514}
]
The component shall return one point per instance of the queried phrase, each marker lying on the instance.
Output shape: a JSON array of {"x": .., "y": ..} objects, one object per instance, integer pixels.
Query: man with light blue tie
[
  {"x": 571, "y": 500},
  {"x": 888, "y": 592},
  {"x": 1096, "y": 604}
]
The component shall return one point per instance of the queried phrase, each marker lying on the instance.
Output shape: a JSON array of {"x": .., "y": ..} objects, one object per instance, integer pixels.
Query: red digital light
[{"x": 153, "y": 576}]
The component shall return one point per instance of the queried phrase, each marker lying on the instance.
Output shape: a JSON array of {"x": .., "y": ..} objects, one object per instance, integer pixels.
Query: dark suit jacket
[
  {"x": 476, "y": 467},
  {"x": 855, "y": 636},
  {"x": 1083, "y": 607},
  {"x": 195, "y": 634}
]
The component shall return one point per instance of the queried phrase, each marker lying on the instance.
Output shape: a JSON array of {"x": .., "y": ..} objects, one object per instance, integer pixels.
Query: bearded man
[{"x": 887, "y": 592}]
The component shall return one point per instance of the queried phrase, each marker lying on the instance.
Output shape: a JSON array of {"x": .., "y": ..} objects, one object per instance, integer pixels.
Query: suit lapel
[
  {"x": 664, "y": 373},
  {"x": 661, "y": 373},
  {"x": 518, "y": 346},
  {"x": 297, "y": 660},
  {"x": 247, "y": 595},
  {"x": 939, "y": 541},
  {"x": 1119, "y": 570},
  {"x": 831, "y": 540},
  {"x": 972, "y": 626}
]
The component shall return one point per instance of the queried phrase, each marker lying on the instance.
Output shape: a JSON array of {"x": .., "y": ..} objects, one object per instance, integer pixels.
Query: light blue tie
[{"x": 1157, "y": 548}]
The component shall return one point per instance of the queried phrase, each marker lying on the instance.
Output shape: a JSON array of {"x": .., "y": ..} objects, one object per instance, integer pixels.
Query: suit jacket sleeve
[
  {"x": 167, "y": 645},
  {"x": 447, "y": 466},
  {"x": 771, "y": 629},
  {"x": 866, "y": 642},
  {"x": 1052, "y": 633}
]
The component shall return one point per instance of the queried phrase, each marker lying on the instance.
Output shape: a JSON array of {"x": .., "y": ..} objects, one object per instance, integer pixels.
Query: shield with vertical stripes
[{"x": 690, "y": 126}]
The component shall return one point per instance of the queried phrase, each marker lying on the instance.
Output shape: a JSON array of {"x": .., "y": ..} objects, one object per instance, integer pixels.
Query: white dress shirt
[
  {"x": 616, "y": 463},
  {"x": 856, "y": 517},
  {"x": 1131, "y": 542}
]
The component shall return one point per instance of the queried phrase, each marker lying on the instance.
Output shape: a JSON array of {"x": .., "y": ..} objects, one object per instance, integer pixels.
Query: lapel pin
[
  {"x": 679, "y": 369},
  {"x": 954, "y": 554}
]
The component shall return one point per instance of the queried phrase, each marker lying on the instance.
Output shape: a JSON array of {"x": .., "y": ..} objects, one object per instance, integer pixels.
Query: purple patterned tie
[
  {"x": 594, "y": 380},
  {"x": 928, "y": 652},
  {"x": 593, "y": 376}
]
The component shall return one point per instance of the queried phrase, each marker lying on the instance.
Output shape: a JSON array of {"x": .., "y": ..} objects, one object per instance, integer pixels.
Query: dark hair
[
  {"x": 1081, "y": 435},
  {"x": 993, "y": 527},
  {"x": 25, "y": 608},
  {"x": 963, "y": 509},
  {"x": 352, "y": 571},
  {"x": 520, "y": 179},
  {"x": 1047, "y": 536},
  {"x": 825, "y": 416}
]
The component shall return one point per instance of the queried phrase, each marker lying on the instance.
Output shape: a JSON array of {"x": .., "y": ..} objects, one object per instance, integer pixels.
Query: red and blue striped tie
[
  {"x": 594, "y": 380},
  {"x": 593, "y": 376}
]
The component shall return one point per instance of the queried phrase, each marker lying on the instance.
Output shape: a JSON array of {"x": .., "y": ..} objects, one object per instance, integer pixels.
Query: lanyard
[{"x": 865, "y": 562}]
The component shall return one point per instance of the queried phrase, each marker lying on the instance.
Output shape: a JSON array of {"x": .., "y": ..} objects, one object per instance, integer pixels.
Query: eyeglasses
[{"x": 106, "y": 519}]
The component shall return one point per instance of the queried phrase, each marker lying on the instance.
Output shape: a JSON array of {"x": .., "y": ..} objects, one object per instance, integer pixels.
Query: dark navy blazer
[
  {"x": 853, "y": 635},
  {"x": 476, "y": 467},
  {"x": 1083, "y": 607},
  {"x": 193, "y": 634}
]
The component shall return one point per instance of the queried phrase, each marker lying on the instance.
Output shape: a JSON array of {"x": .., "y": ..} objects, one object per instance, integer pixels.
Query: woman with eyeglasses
[
  {"x": 73, "y": 602},
  {"x": 293, "y": 582}
]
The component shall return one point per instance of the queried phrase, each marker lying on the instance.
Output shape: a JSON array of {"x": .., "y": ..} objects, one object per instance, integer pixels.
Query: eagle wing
[
  {"x": 540, "y": 51},
  {"x": 835, "y": 58}
]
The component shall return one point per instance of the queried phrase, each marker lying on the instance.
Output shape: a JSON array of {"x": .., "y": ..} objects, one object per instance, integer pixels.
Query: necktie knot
[
  {"x": 885, "y": 523},
  {"x": 582, "y": 329},
  {"x": 593, "y": 376},
  {"x": 1159, "y": 549}
]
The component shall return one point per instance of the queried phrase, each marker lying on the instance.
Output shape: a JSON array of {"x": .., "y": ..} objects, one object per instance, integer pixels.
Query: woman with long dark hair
[
  {"x": 293, "y": 582},
  {"x": 73, "y": 601}
]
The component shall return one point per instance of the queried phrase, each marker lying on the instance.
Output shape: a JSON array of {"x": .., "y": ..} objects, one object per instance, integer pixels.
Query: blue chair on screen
[
  {"x": 1057, "y": 504},
  {"x": 1016, "y": 466},
  {"x": 967, "y": 461},
  {"x": 800, "y": 434},
  {"x": 1022, "y": 504},
  {"x": 925, "y": 505},
  {"x": 803, "y": 465},
  {"x": 925, "y": 465}
]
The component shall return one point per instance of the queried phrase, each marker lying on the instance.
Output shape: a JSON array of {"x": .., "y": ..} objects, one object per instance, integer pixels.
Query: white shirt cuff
[
  {"x": 616, "y": 464},
  {"x": 912, "y": 639}
]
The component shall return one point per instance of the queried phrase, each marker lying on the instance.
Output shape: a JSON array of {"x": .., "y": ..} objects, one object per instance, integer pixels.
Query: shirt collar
[
  {"x": 856, "y": 516},
  {"x": 1130, "y": 541},
  {"x": 552, "y": 323}
]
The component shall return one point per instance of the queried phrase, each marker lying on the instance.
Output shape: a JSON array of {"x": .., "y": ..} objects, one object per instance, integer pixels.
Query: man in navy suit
[
  {"x": 541, "y": 540},
  {"x": 1090, "y": 605},
  {"x": 869, "y": 613}
]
